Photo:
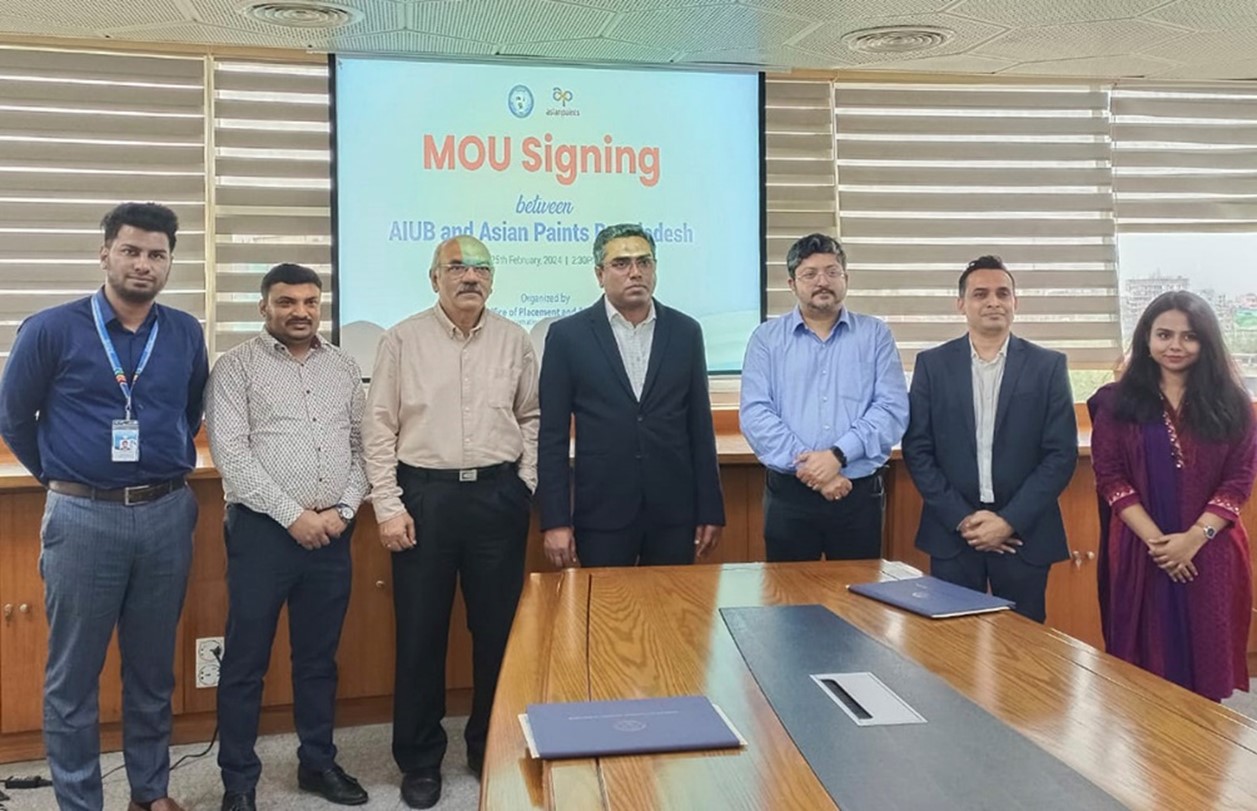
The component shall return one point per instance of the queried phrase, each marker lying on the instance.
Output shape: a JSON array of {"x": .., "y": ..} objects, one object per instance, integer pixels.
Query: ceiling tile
[
  {"x": 1240, "y": 69},
  {"x": 827, "y": 39},
  {"x": 1213, "y": 15},
  {"x": 1104, "y": 38},
  {"x": 63, "y": 15},
  {"x": 592, "y": 49},
  {"x": 1117, "y": 67},
  {"x": 850, "y": 9},
  {"x": 507, "y": 20},
  {"x": 952, "y": 63},
  {"x": 1208, "y": 48},
  {"x": 375, "y": 15},
  {"x": 1056, "y": 12},
  {"x": 700, "y": 28},
  {"x": 411, "y": 42},
  {"x": 766, "y": 57},
  {"x": 203, "y": 33},
  {"x": 625, "y": 6}
]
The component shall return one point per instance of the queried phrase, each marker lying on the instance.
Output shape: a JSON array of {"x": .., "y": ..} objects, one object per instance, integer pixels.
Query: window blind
[
  {"x": 272, "y": 186},
  {"x": 931, "y": 176},
  {"x": 81, "y": 132}
]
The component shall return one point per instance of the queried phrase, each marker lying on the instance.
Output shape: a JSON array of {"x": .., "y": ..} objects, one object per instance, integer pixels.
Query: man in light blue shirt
[{"x": 823, "y": 402}]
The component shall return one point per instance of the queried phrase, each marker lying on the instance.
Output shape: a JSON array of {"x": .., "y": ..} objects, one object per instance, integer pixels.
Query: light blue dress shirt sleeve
[
  {"x": 761, "y": 421},
  {"x": 874, "y": 434}
]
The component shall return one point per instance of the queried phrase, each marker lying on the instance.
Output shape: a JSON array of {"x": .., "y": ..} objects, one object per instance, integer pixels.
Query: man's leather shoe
[
  {"x": 421, "y": 789},
  {"x": 332, "y": 785},
  {"x": 238, "y": 801},
  {"x": 160, "y": 804}
]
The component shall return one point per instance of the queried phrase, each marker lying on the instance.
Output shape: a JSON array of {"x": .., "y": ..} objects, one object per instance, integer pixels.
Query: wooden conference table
[{"x": 627, "y": 633}]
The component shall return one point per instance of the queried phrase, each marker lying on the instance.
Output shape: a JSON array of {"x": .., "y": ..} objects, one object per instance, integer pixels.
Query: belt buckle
[
  {"x": 469, "y": 475},
  {"x": 126, "y": 496}
]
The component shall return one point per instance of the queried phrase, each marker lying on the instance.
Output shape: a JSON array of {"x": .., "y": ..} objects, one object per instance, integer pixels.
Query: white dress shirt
[
  {"x": 987, "y": 377},
  {"x": 634, "y": 342}
]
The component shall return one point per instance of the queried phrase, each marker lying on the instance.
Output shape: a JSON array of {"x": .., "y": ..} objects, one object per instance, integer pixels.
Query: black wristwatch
[{"x": 842, "y": 457}]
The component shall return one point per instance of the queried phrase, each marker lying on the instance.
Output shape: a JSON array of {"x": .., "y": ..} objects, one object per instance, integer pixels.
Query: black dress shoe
[
  {"x": 332, "y": 785},
  {"x": 475, "y": 762},
  {"x": 233, "y": 801},
  {"x": 421, "y": 789}
]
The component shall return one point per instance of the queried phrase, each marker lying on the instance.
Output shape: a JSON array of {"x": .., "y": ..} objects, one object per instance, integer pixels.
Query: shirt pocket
[{"x": 499, "y": 387}]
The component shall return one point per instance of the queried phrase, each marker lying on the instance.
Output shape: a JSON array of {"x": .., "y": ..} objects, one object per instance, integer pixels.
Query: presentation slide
[{"x": 534, "y": 161}]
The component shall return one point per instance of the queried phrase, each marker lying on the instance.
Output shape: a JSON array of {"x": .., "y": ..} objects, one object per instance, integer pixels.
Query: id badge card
[{"x": 126, "y": 441}]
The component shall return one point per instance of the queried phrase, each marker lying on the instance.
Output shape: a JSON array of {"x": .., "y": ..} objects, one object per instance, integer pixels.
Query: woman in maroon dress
[{"x": 1172, "y": 445}]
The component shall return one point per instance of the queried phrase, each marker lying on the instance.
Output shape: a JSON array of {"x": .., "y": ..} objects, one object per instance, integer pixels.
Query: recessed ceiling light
[
  {"x": 299, "y": 14},
  {"x": 897, "y": 39}
]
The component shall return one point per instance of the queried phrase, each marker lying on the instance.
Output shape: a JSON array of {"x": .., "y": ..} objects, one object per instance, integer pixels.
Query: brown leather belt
[{"x": 129, "y": 496}]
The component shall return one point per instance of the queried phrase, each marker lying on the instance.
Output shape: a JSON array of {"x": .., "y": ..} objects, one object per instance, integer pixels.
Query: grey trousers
[{"x": 105, "y": 566}]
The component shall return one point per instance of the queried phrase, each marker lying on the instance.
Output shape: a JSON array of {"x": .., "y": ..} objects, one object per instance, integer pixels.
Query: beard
[{"x": 132, "y": 295}]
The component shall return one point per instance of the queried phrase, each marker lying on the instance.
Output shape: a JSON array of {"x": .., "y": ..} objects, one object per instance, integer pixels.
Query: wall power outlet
[{"x": 209, "y": 654}]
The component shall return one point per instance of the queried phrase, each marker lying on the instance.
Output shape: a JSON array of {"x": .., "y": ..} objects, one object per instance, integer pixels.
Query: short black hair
[
  {"x": 151, "y": 217},
  {"x": 621, "y": 231},
  {"x": 813, "y": 244},
  {"x": 988, "y": 262},
  {"x": 288, "y": 273}
]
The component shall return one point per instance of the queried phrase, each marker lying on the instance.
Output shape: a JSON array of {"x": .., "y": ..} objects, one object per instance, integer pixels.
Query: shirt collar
[
  {"x": 278, "y": 345},
  {"x": 613, "y": 314},
  {"x": 108, "y": 314},
  {"x": 795, "y": 319},
  {"x": 1003, "y": 351},
  {"x": 451, "y": 329}
]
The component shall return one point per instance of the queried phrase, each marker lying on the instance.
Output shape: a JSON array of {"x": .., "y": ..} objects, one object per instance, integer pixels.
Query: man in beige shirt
[{"x": 450, "y": 443}]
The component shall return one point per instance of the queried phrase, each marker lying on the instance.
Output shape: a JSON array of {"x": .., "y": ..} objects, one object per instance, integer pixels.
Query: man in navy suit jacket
[
  {"x": 991, "y": 444},
  {"x": 634, "y": 374}
]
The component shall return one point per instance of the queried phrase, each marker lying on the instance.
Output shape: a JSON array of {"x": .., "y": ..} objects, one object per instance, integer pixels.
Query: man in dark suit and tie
[
  {"x": 633, "y": 372},
  {"x": 991, "y": 444}
]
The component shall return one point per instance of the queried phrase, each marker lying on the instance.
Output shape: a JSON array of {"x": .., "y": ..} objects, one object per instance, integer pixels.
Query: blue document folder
[
  {"x": 628, "y": 727},
  {"x": 931, "y": 597}
]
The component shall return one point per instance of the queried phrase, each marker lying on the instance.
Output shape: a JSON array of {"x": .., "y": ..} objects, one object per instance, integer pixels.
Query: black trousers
[
  {"x": 265, "y": 569},
  {"x": 473, "y": 533},
  {"x": 641, "y": 543},
  {"x": 1008, "y": 576},
  {"x": 799, "y": 524}
]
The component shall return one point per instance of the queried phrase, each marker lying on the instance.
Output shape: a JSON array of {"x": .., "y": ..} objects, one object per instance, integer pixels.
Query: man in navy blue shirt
[{"x": 100, "y": 400}]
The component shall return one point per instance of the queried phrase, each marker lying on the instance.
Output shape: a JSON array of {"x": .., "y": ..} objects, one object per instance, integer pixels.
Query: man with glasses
[
  {"x": 450, "y": 447},
  {"x": 634, "y": 374},
  {"x": 823, "y": 402}
]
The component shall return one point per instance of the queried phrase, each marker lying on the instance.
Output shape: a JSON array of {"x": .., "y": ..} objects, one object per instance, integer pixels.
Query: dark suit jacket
[
  {"x": 658, "y": 455},
  {"x": 1034, "y": 456}
]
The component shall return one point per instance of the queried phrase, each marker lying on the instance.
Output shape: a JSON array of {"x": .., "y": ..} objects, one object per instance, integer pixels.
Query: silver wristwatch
[{"x": 345, "y": 512}]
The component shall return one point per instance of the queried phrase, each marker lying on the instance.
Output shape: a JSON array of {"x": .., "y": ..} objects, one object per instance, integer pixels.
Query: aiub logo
[{"x": 520, "y": 101}]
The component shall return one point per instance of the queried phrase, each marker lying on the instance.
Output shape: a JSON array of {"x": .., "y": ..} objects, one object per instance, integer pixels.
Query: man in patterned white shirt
[
  {"x": 451, "y": 452},
  {"x": 284, "y": 414}
]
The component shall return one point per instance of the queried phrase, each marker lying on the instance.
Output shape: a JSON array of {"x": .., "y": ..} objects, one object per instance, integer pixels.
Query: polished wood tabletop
[{"x": 632, "y": 633}]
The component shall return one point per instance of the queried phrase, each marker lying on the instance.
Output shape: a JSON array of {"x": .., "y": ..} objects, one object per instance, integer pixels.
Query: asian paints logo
[
  {"x": 563, "y": 98},
  {"x": 520, "y": 101}
]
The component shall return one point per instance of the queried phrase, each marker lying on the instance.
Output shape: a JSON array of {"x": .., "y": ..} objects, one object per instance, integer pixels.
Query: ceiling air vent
[
  {"x": 897, "y": 39},
  {"x": 297, "y": 14}
]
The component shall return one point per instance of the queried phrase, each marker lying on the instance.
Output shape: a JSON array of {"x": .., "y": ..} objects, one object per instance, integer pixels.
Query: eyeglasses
[
  {"x": 456, "y": 269},
  {"x": 622, "y": 264},
  {"x": 812, "y": 274}
]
